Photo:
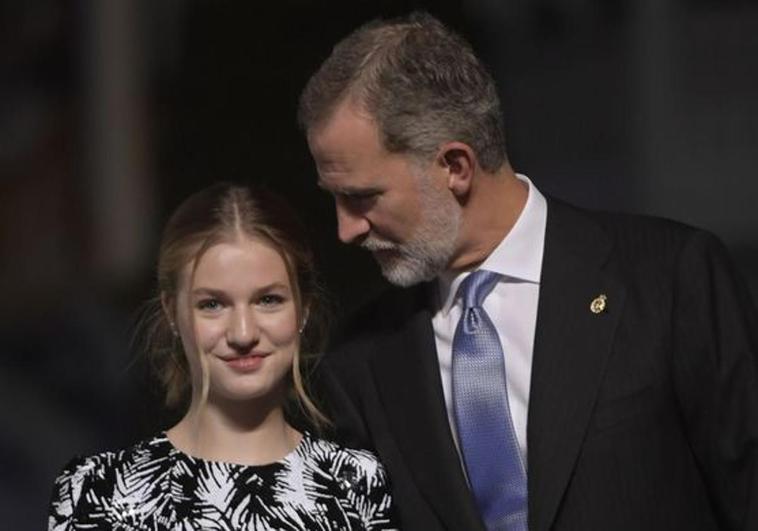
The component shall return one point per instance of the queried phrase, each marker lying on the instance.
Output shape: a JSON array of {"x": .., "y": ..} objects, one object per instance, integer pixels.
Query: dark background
[{"x": 112, "y": 111}]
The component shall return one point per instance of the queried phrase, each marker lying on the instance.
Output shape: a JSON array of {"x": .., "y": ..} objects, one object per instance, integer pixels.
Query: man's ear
[{"x": 459, "y": 162}]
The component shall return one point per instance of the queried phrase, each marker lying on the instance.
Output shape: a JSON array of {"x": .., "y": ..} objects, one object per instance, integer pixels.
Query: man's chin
[
  {"x": 399, "y": 271},
  {"x": 386, "y": 256}
]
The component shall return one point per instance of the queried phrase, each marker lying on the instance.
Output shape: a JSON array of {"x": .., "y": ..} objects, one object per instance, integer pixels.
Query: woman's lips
[{"x": 247, "y": 363}]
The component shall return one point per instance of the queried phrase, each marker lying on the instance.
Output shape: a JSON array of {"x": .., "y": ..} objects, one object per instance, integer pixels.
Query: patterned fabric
[
  {"x": 154, "y": 486},
  {"x": 483, "y": 418}
]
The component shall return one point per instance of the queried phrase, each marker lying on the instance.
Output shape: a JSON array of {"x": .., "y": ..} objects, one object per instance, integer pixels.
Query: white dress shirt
[{"x": 511, "y": 305}]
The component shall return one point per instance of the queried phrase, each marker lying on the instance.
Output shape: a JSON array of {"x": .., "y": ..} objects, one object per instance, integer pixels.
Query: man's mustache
[{"x": 376, "y": 244}]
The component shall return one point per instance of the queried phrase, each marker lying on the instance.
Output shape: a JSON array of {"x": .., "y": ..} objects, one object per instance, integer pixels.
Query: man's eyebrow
[{"x": 349, "y": 190}]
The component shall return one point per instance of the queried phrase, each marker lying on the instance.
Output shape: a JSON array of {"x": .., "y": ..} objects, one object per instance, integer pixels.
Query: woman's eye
[
  {"x": 209, "y": 305},
  {"x": 271, "y": 300}
]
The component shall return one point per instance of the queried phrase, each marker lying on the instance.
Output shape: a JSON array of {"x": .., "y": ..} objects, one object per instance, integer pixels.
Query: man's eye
[
  {"x": 210, "y": 305},
  {"x": 361, "y": 196},
  {"x": 366, "y": 196},
  {"x": 358, "y": 201}
]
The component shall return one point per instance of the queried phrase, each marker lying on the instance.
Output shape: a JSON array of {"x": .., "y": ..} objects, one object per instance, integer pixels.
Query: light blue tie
[{"x": 483, "y": 418}]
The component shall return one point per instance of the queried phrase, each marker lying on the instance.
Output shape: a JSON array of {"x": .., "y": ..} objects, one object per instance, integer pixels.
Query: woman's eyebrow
[{"x": 214, "y": 292}]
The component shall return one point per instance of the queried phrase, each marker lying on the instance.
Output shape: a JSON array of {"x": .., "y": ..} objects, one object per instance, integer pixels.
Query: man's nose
[
  {"x": 243, "y": 331},
  {"x": 351, "y": 225}
]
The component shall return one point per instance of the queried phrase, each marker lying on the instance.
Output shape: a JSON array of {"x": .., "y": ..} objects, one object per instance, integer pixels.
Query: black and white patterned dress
[{"x": 154, "y": 486}]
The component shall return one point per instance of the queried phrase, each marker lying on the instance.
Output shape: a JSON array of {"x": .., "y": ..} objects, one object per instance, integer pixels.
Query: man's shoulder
[
  {"x": 637, "y": 236},
  {"x": 384, "y": 314},
  {"x": 620, "y": 221}
]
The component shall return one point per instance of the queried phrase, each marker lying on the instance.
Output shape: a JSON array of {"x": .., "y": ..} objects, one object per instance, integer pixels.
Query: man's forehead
[
  {"x": 346, "y": 182},
  {"x": 344, "y": 189},
  {"x": 334, "y": 161},
  {"x": 349, "y": 126}
]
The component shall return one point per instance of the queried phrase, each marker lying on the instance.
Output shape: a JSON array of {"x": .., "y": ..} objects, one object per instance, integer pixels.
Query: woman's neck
[{"x": 241, "y": 432}]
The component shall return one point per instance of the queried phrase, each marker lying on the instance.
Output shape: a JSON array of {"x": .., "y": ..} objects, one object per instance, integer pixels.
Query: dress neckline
[{"x": 297, "y": 451}]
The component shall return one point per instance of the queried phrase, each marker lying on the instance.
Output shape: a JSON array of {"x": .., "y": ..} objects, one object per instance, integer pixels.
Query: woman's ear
[
  {"x": 169, "y": 310},
  {"x": 304, "y": 322}
]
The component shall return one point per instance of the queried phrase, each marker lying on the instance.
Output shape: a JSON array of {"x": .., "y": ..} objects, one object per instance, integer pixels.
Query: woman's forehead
[{"x": 234, "y": 263}]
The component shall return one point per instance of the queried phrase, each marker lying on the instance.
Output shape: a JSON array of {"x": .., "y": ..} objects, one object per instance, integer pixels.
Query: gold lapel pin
[{"x": 598, "y": 304}]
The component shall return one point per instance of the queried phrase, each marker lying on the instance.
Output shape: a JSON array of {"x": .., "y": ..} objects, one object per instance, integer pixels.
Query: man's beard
[{"x": 428, "y": 252}]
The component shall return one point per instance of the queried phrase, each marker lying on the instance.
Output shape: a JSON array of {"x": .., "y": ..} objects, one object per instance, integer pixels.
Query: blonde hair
[{"x": 223, "y": 212}]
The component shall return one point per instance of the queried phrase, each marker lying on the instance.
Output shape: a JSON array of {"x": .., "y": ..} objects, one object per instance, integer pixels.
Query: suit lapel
[
  {"x": 406, "y": 373},
  {"x": 571, "y": 346}
]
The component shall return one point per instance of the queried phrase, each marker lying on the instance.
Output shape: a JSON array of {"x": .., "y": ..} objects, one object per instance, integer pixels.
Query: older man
[{"x": 539, "y": 366}]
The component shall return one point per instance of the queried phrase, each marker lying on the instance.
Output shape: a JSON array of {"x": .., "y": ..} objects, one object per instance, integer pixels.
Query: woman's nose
[{"x": 243, "y": 330}]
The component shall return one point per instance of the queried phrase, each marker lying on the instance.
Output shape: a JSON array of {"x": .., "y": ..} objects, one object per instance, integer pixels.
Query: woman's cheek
[
  {"x": 210, "y": 333},
  {"x": 282, "y": 327}
]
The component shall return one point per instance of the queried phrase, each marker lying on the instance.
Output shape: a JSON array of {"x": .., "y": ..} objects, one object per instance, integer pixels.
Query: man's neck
[{"x": 493, "y": 206}]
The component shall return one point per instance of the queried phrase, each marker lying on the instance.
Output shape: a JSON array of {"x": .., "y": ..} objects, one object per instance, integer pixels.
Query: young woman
[{"x": 239, "y": 307}]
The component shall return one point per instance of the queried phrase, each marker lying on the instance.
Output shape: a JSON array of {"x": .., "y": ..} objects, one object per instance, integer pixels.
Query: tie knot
[{"x": 476, "y": 287}]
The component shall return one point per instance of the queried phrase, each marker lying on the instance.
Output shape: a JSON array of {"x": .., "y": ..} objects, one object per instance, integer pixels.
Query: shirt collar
[{"x": 518, "y": 256}]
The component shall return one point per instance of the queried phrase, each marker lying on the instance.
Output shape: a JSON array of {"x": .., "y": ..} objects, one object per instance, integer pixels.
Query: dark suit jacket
[{"x": 641, "y": 417}]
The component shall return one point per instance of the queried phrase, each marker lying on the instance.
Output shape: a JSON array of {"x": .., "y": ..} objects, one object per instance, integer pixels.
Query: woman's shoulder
[
  {"x": 354, "y": 476},
  {"x": 98, "y": 474},
  {"x": 349, "y": 461},
  {"x": 98, "y": 464}
]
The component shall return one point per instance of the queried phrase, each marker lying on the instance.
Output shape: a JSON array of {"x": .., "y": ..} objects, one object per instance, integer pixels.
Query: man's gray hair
[{"x": 420, "y": 81}]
